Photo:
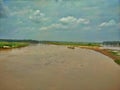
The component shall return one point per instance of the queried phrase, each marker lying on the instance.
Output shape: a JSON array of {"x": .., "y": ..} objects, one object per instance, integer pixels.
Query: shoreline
[
  {"x": 8, "y": 49},
  {"x": 106, "y": 52}
]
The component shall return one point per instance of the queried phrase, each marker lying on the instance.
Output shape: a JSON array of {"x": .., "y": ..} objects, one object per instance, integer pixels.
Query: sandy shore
[
  {"x": 104, "y": 51},
  {"x": 50, "y": 67}
]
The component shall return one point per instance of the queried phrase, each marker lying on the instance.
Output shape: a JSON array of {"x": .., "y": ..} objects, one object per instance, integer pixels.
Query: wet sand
[{"x": 50, "y": 67}]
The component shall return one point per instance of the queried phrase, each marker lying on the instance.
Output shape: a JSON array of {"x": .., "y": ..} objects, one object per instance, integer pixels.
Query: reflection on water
[{"x": 50, "y": 67}]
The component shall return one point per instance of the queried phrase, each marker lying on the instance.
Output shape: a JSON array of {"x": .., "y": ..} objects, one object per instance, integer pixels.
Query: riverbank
[
  {"x": 10, "y": 45},
  {"x": 114, "y": 54},
  {"x": 6, "y": 44}
]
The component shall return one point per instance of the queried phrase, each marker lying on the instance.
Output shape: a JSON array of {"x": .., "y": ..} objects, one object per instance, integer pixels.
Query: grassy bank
[
  {"x": 9, "y": 45},
  {"x": 14, "y": 43},
  {"x": 116, "y": 55}
]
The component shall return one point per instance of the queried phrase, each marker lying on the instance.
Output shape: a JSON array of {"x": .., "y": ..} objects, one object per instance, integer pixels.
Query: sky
[{"x": 60, "y": 20}]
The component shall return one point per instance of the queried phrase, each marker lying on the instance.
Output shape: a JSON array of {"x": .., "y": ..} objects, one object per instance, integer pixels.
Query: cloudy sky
[{"x": 62, "y": 20}]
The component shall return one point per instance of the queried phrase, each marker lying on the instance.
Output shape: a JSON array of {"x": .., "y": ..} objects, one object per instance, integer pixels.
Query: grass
[
  {"x": 73, "y": 43},
  {"x": 117, "y": 61},
  {"x": 116, "y": 55},
  {"x": 12, "y": 44}
]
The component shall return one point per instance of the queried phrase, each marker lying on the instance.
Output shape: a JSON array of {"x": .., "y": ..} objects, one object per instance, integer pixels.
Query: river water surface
[{"x": 50, "y": 67}]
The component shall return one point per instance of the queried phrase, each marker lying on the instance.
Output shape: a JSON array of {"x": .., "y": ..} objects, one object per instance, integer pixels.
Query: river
[{"x": 50, "y": 67}]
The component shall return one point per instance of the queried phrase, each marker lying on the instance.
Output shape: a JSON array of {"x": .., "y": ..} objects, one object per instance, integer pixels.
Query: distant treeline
[
  {"x": 111, "y": 43},
  {"x": 71, "y": 43},
  {"x": 14, "y": 40},
  {"x": 53, "y": 42}
]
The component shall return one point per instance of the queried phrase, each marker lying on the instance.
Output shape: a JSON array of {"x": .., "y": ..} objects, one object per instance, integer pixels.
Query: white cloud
[
  {"x": 69, "y": 19},
  {"x": 66, "y": 23},
  {"x": 73, "y": 20},
  {"x": 38, "y": 13},
  {"x": 38, "y": 16},
  {"x": 84, "y": 21},
  {"x": 53, "y": 26},
  {"x": 109, "y": 23}
]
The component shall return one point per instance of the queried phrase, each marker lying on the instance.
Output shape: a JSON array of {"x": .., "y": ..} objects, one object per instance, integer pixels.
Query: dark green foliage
[
  {"x": 117, "y": 61},
  {"x": 12, "y": 40}
]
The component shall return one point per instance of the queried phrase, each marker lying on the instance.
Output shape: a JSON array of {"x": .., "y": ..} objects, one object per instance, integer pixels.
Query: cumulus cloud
[
  {"x": 83, "y": 21},
  {"x": 53, "y": 26},
  {"x": 73, "y": 20},
  {"x": 109, "y": 23},
  {"x": 69, "y": 19},
  {"x": 38, "y": 16},
  {"x": 66, "y": 23}
]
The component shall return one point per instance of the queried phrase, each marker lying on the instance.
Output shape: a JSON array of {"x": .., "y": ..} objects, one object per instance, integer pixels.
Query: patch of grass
[
  {"x": 114, "y": 52},
  {"x": 117, "y": 61},
  {"x": 12, "y": 44}
]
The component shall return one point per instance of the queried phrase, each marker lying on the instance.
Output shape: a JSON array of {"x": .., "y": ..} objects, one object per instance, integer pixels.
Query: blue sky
[{"x": 60, "y": 20}]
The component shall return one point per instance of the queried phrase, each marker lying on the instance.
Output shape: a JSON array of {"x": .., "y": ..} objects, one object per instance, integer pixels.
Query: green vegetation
[
  {"x": 12, "y": 44},
  {"x": 72, "y": 43},
  {"x": 117, "y": 61},
  {"x": 116, "y": 54}
]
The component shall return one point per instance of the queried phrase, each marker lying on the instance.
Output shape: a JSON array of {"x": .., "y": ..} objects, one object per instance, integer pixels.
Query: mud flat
[{"x": 50, "y": 67}]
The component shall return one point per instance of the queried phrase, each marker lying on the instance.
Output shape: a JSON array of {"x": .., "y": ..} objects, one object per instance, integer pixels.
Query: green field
[{"x": 12, "y": 44}]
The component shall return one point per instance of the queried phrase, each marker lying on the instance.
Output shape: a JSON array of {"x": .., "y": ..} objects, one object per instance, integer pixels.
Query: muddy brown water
[{"x": 50, "y": 67}]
